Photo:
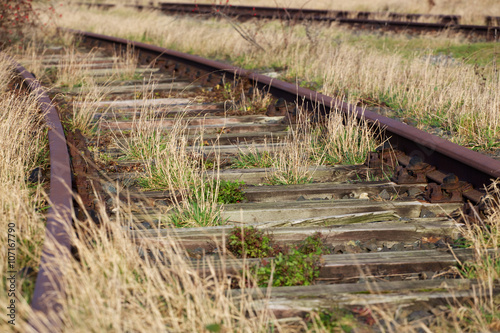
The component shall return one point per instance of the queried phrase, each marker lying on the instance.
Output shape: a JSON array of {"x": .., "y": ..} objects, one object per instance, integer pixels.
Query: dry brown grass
[
  {"x": 116, "y": 287},
  {"x": 22, "y": 143},
  {"x": 171, "y": 165}
]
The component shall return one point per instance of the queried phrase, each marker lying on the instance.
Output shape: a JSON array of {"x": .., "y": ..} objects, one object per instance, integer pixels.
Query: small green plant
[
  {"x": 230, "y": 192},
  {"x": 299, "y": 267},
  {"x": 250, "y": 242},
  {"x": 196, "y": 215},
  {"x": 314, "y": 244},
  {"x": 335, "y": 320},
  {"x": 475, "y": 270},
  {"x": 462, "y": 243},
  {"x": 288, "y": 178},
  {"x": 50, "y": 74},
  {"x": 253, "y": 160},
  {"x": 293, "y": 269}
]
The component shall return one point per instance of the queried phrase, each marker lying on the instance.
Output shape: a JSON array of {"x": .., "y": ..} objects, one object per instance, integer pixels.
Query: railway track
[
  {"x": 399, "y": 22},
  {"x": 383, "y": 233}
]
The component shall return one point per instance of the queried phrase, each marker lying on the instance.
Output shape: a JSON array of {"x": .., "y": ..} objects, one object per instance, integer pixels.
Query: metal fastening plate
[{"x": 449, "y": 191}]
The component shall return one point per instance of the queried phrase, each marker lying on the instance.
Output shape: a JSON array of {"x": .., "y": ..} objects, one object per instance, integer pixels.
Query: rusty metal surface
[
  {"x": 84, "y": 174},
  {"x": 365, "y": 20},
  {"x": 446, "y": 156},
  {"x": 57, "y": 240}
]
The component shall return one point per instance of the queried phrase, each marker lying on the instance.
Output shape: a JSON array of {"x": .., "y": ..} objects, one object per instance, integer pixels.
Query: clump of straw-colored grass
[{"x": 22, "y": 148}]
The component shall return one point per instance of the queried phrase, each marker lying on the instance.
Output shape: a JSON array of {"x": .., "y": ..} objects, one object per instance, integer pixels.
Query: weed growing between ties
[
  {"x": 152, "y": 293},
  {"x": 125, "y": 65},
  {"x": 289, "y": 267},
  {"x": 291, "y": 165},
  {"x": 230, "y": 192},
  {"x": 483, "y": 236},
  {"x": 19, "y": 19},
  {"x": 300, "y": 266},
  {"x": 313, "y": 141},
  {"x": 343, "y": 139},
  {"x": 338, "y": 319},
  {"x": 471, "y": 11},
  {"x": 175, "y": 164},
  {"x": 320, "y": 140},
  {"x": 253, "y": 159},
  {"x": 245, "y": 101}
]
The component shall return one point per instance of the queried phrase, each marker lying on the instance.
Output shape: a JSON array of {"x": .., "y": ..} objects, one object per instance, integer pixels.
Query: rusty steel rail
[
  {"x": 446, "y": 156},
  {"x": 306, "y": 14},
  {"x": 56, "y": 248}
]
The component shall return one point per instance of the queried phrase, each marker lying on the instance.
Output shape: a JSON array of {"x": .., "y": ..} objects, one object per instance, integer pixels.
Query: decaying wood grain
[
  {"x": 323, "y": 191},
  {"x": 348, "y": 267},
  {"x": 381, "y": 233},
  {"x": 260, "y": 175},
  {"x": 298, "y": 301}
]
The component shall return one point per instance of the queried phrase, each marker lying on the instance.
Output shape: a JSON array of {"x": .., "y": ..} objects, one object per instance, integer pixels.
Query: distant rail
[
  {"x": 389, "y": 21},
  {"x": 312, "y": 14}
]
